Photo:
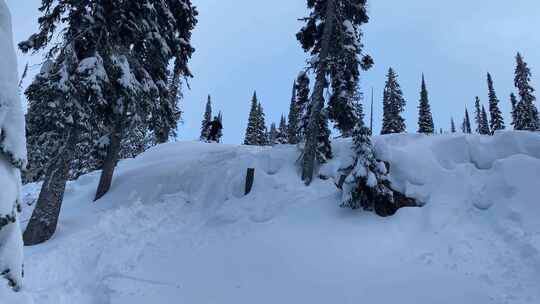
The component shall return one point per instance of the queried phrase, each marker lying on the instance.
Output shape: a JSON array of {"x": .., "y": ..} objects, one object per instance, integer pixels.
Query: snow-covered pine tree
[
  {"x": 220, "y": 133},
  {"x": 293, "y": 118},
  {"x": 140, "y": 57},
  {"x": 324, "y": 146},
  {"x": 130, "y": 66},
  {"x": 466, "y": 126},
  {"x": 513, "y": 102},
  {"x": 303, "y": 105},
  {"x": 478, "y": 115},
  {"x": 526, "y": 111},
  {"x": 485, "y": 123},
  {"x": 367, "y": 186},
  {"x": 452, "y": 125},
  {"x": 425, "y": 119},
  {"x": 61, "y": 102},
  {"x": 344, "y": 101},
  {"x": 345, "y": 65},
  {"x": 164, "y": 35},
  {"x": 273, "y": 134},
  {"x": 281, "y": 135},
  {"x": 393, "y": 105},
  {"x": 482, "y": 124},
  {"x": 332, "y": 36},
  {"x": 262, "y": 130},
  {"x": 496, "y": 122},
  {"x": 207, "y": 118},
  {"x": 135, "y": 141},
  {"x": 252, "y": 135},
  {"x": 12, "y": 160}
]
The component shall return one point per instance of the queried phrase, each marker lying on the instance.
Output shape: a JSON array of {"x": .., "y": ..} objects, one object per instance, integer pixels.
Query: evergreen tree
[
  {"x": 207, "y": 118},
  {"x": 262, "y": 131},
  {"x": 367, "y": 186},
  {"x": 478, "y": 115},
  {"x": 513, "y": 102},
  {"x": 59, "y": 128},
  {"x": 136, "y": 140},
  {"x": 114, "y": 57},
  {"x": 303, "y": 105},
  {"x": 252, "y": 135},
  {"x": 344, "y": 103},
  {"x": 324, "y": 146},
  {"x": 281, "y": 135},
  {"x": 497, "y": 121},
  {"x": 294, "y": 118},
  {"x": 526, "y": 111},
  {"x": 393, "y": 106},
  {"x": 220, "y": 133},
  {"x": 452, "y": 125},
  {"x": 332, "y": 36},
  {"x": 273, "y": 134},
  {"x": 12, "y": 161},
  {"x": 485, "y": 123},
  {"x": 466, "y": 126},
  {"x": 425, "y": 119}
]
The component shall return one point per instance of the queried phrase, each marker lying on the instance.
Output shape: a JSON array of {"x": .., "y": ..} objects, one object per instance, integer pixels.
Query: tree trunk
[
  {"x": 44, "y": 220},
  {"x": 317, "y": 98},
  {"x": 162, "y": 136},
  {"x": 109, "y": 164}
]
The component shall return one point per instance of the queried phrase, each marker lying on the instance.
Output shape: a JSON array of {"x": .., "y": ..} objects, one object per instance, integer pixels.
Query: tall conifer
[
  {"x": 425, "y": 119},
  {"x": 496, "y": 121},
  {"x": 252, "y": 135},
  {"x": 294, "y": 111},
  {"x": 207, "y": 118},
  {"x": 526, "y": 112},
  {"x": 331, "y": 34},
  {"x": 393, "y": 105}
]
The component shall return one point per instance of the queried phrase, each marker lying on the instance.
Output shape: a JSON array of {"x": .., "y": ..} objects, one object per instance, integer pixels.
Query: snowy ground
[{"x": 176, "y": 228}]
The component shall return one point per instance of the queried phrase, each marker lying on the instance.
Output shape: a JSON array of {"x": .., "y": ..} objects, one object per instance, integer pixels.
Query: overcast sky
[{"x": 247, "y": 45}]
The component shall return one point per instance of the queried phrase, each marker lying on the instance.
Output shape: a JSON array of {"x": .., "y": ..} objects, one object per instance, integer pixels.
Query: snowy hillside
[{"x": 176, "y": 228}]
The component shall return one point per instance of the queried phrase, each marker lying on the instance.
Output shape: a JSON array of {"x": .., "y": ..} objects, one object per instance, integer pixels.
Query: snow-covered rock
[{"x": 176, "y": 228}]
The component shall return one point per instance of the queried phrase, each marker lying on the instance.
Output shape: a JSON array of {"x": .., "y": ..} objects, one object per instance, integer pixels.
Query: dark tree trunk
[
  {"x": 317, "y": 98},
  {"x": 162, "y": 136},
  {"x": 44, "y": 220},
  {"x": 109, "y": 164}
]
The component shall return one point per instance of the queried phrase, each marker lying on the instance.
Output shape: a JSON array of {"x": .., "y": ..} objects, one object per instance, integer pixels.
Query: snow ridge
[{"x": 177, "y": 227}]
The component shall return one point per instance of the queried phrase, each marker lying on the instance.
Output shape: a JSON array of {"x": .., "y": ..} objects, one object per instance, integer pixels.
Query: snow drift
[{"x": 177, "y": 227}]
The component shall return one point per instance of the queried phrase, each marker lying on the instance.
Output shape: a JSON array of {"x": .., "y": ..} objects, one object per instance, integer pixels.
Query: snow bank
[{"x": 176, "y": 227}]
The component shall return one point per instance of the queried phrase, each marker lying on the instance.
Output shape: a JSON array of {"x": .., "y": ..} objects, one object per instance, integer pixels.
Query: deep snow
[
  {"x": 176, "y": 228},
  {"x": 12, "y": 155}
]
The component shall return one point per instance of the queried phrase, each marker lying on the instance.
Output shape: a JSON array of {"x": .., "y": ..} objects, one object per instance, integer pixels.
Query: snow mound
[
  {"x": 176, "y": 227},
  {"x": 12, "y": 133}
]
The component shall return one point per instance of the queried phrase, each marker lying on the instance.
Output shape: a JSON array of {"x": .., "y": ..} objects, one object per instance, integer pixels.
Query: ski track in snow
[{"x": 176, "y": 228}]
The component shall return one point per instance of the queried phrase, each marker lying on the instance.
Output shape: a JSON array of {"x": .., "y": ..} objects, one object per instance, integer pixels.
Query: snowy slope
[{"x": 176, "y": 228}]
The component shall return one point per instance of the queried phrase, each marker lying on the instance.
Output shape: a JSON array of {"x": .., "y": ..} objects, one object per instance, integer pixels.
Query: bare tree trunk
[
  {"x": 109, "y": 164},
  {"x": 317, "y": 98},
  {"x": 44, "y": 220}
]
